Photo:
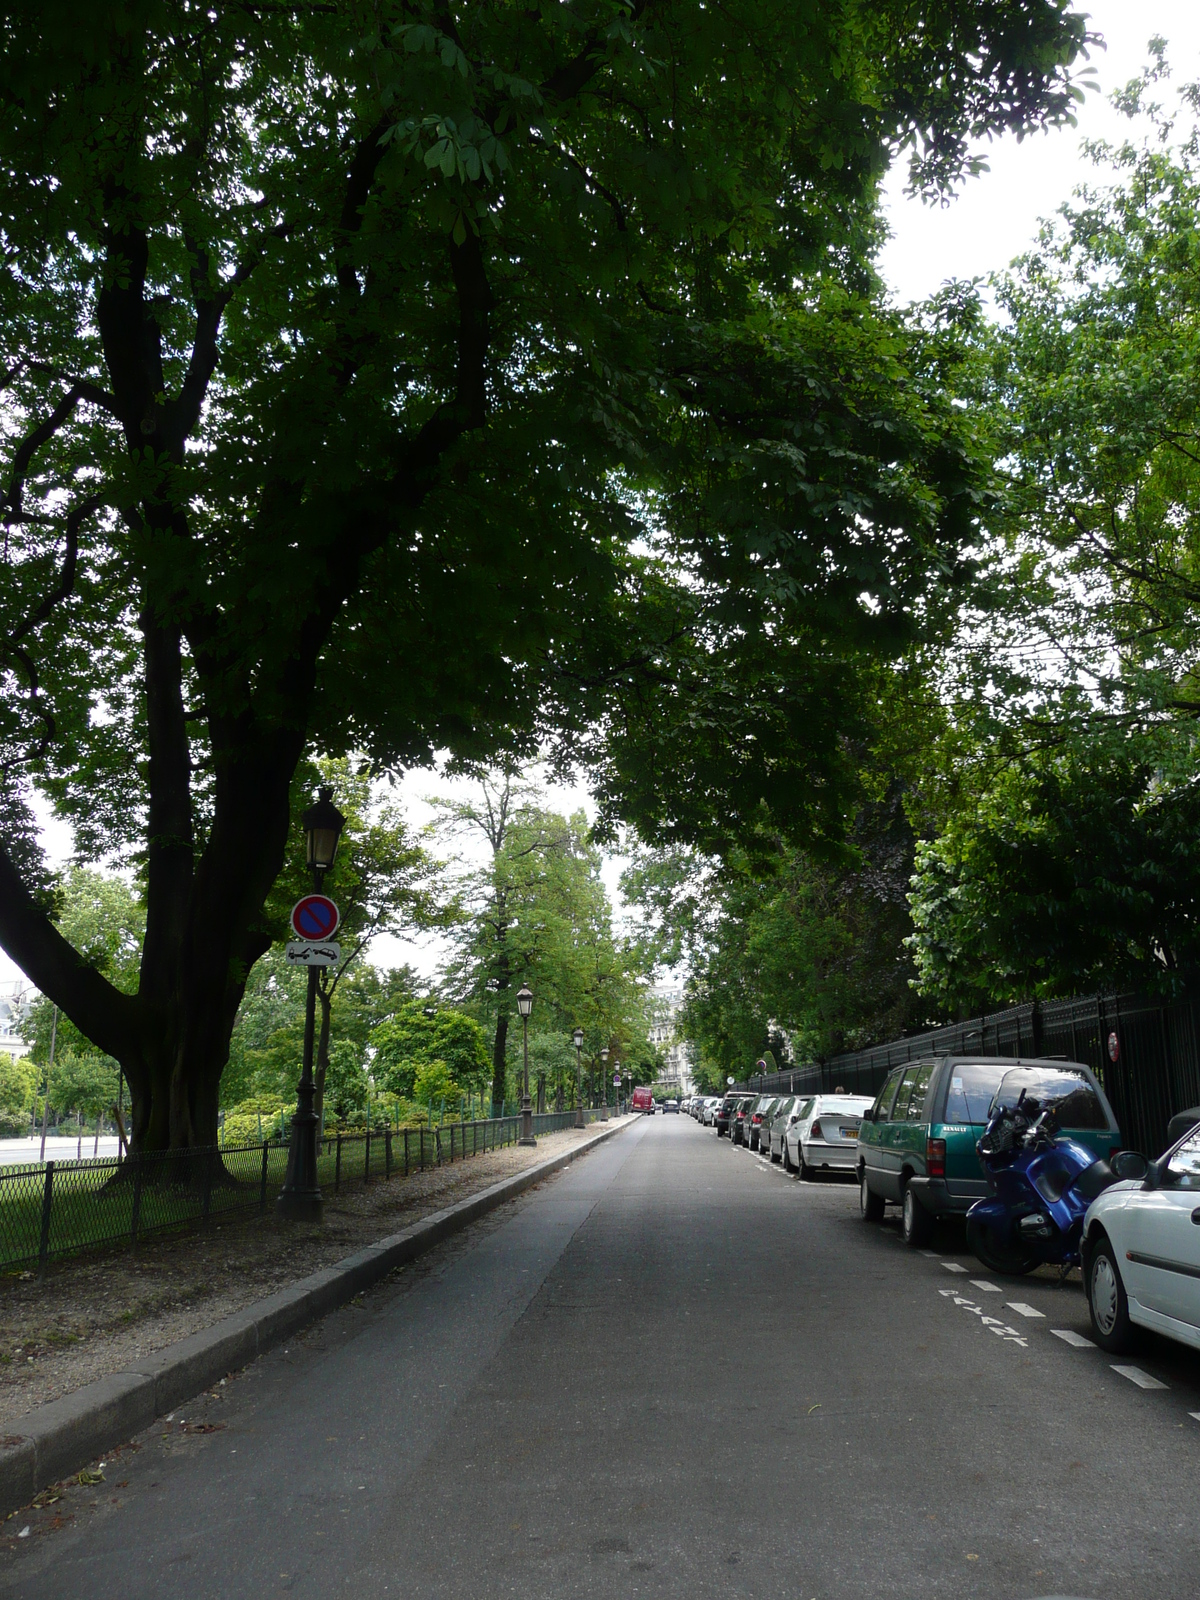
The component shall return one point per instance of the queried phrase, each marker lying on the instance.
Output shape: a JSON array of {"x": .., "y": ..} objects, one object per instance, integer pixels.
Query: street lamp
[
  {"x": 300, "y": 1198},
  {"x": 525, "y": 1006},
  {"x": 604, "y": 1084},
  {"x": 577, "y": 1036}
]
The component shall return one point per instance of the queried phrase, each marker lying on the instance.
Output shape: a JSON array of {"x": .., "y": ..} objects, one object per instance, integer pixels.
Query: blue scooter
[{"x": 1042, "y": 1183}]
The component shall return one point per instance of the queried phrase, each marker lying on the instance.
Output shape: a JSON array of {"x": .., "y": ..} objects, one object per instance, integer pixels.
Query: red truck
[{"x": 642, "y": 1100}]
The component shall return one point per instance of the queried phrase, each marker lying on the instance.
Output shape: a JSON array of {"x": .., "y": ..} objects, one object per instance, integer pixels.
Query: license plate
[{"x": 849, "y": 1133}]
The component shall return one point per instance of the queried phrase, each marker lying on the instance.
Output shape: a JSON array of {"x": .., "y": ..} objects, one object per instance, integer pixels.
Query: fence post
[
  {"x": 262, "y": 1198},
  {"x": 206, "y": 1203},
  {"x": 406, "y": 1152},
  {"x": 337, "y": 1166},
  {"x": 47, "y": 1202},
  {"x": 437, "y": 1145},
  {"x": 140, "y": 1159},
  {"x": 367, "y": 1157},
  {"x": 387, "y": 1152}
]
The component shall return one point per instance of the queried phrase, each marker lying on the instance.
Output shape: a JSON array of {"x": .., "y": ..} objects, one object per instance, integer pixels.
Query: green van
[{"x": 916, "y": 1145}]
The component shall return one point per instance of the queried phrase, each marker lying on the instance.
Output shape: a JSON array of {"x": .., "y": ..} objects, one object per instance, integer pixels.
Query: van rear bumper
[{"x": 939, "y": 1200}]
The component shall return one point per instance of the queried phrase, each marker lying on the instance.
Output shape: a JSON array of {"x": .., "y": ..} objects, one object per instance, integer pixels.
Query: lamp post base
[
  {"x": 300, "y": 1198},
  {"x": 604, "y": 1112},
  {"x": 293, "y": 1206},
  {"x": 526, "y": 1123},
  {"x": 579, "y": 1114}
]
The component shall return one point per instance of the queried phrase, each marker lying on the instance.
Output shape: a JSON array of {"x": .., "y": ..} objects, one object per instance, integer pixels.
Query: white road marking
[
  {"x": 1195, "y": 1414},
  {"x": 953, "y": 1266},
  {"x": 988, "y": 1288},
  {"x": 1142, "y": 1379},
  {"x": 1075, "y": 1340},
  {"x": 1023, "y": 1310},
  {"x": 992, "y": 1324},
  {"x": 930, "y": 1255}
]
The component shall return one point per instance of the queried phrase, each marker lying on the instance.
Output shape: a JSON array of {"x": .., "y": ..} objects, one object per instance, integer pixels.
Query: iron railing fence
[
  {"x": 57, "y": 1208},
  {"x": 1145, "y": 1051}
]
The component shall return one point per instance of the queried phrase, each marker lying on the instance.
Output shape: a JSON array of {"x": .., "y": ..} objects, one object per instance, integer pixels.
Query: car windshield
[{"x": 1068, "y": 1093}]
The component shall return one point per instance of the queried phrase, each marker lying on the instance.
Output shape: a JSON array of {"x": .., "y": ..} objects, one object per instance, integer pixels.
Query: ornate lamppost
[
  {"x": 300, "y": 1198},
  {"x": 525, "y": 1006},
  {"x": 577, "y": 1036},
  {"x": 604, "y": 1084}
]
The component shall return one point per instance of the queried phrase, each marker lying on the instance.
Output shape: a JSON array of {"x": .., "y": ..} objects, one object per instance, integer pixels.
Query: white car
[
  {"x": 825, "y": 1138},
  {"x": 1141, "y": 1251},
  {"x": 709, "y": 1114}
]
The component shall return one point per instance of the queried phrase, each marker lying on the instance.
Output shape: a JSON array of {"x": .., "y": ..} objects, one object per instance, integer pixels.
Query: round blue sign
[{"x": 315, "y": 917}]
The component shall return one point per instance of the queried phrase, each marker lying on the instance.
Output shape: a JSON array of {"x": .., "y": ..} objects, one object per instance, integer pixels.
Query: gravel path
[{"x": 98, "y": 1314}]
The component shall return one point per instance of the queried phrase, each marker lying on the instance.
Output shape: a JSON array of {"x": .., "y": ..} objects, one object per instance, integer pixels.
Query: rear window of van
[{"x": 971, "y": 1088}]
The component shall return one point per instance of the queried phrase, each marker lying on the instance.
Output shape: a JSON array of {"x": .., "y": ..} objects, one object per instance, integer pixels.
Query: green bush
[{"x": 255, "y": 1119}]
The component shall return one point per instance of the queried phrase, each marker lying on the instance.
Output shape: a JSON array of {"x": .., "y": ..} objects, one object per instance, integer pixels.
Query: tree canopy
[{"x": 410, "y": 376}]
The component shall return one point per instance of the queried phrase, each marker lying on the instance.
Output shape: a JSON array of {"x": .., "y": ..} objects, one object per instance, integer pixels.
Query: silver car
[
  {"x": 788, "y": 1111},
  {"x": 825, "y": 1138}
]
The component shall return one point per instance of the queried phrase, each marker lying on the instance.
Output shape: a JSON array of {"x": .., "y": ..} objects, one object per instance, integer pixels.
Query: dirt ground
[{"x": 100, "y": 1313}]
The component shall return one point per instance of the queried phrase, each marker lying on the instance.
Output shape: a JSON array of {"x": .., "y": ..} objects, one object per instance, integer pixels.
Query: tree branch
[
  {"x": 98, "y": 1009},
  {"x": 29, "y": 447}
]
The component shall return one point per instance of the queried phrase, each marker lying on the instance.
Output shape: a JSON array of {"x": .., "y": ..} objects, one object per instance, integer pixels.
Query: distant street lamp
[
  {"x": 525, "y": 1006},
  {"x": 300, "y": 1198},
  {"x": 604, "y": 1084},
  {"x": 577, "y": 1036}
]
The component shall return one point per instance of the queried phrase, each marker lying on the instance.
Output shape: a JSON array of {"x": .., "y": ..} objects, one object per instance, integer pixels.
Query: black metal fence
[
  {"x": 1146, "y": 1053},
  {"x": 58, "y": 1208}
]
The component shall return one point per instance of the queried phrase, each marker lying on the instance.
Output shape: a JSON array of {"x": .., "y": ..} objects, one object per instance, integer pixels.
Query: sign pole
[{"x": 300, "y": 1198}]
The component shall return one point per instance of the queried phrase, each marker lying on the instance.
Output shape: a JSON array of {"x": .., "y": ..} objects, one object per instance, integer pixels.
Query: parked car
[
  {"x": 785, "y": 1113},
  {"x": 642, "y": 1100},
  {"x": 1141, "y": 1251},
  {"x": 739, "y": 1122},
  {"x": 760, "y": 1114},
  {"x": 825, "y": 1138},
  {"x": 711, "y": 1106},
  {"x": 916, "y": 1143},
  {"x": 724, "y": 1115},
  {"x": 671, "y": 1105}
]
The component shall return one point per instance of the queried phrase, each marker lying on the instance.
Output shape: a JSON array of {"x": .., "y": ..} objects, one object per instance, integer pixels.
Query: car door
[
  {"x": 876, "y": 1146},
  {"x": 895, "y": 1134},
  {"x": 1161, "y": 1241}
]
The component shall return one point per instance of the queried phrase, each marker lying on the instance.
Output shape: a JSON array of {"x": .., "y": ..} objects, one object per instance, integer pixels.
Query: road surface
[{"x": 670, "y": 1371}]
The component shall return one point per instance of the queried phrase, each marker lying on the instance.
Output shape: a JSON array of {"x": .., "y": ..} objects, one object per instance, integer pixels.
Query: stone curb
[{"x": 61, "y": 1437}]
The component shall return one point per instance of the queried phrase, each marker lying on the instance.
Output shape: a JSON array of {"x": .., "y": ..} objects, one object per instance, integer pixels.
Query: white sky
[{"x": 994, "y": 220}]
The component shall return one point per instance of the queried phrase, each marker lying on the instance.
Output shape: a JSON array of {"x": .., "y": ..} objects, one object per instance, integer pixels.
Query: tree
[
  {"x": 1059, "y": 855},
  {"x": 422, "y": 1033},
  {"x": 326, "y": 329},
  {"x": 18, "y": 1086},
  {"x": 538, "y": 913}
]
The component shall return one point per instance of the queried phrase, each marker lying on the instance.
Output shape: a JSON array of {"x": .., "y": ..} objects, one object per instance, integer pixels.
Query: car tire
[
  {"x": 1008, "y": 1260},
  {"x": 806, "y": 1172},
  {"x": 776, "y": 1158},
  {"x": 1108, "y": 1304},
  {"x": 915, "y": 1222},
  {"x": 869, "y": 1203},
  {"x": 787, "y": 1160}
]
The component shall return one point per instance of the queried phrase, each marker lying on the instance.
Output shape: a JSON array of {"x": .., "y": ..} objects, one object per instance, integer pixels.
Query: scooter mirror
[{"x": 1130, "y": 1164}]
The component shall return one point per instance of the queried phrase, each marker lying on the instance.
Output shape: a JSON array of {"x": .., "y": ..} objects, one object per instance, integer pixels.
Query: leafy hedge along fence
[
  {"x": 61, "y": 1207},
  {"x": 1145, "y": 1051}
]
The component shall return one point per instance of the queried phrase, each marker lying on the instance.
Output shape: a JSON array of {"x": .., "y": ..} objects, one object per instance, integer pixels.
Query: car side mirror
[
  {"x": 1154, "y": 1174},
  {"x": 1130, "y": 1165},
  {"x": 869, "y": 1114}
]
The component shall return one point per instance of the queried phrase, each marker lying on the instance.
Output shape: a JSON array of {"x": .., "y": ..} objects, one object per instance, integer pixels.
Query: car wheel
[
  {"x": 916, "y": 1222},
  {"x": 869, "y": 1203},
  {"x": 787, "y": 1160},
  {"x": 1011, "y": 1261},
  {"x": 806, "y": 1172},
  {"x": 776, "y": 1158},
  {"x": 1106, "y": 1299}
]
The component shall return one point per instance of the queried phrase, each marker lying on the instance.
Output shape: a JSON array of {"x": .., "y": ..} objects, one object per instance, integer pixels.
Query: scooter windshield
[{"x": 1068, "y": 1094}]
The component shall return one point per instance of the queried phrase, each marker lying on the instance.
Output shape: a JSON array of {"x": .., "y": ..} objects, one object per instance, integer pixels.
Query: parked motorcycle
[{"x": 1042, "y": 1183}]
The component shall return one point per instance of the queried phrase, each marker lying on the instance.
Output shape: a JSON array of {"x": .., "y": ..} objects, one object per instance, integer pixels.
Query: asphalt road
[{"x": 670, "y": 1371}]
